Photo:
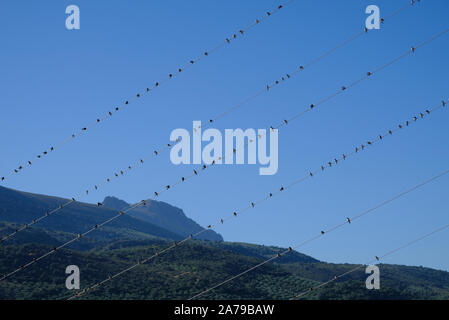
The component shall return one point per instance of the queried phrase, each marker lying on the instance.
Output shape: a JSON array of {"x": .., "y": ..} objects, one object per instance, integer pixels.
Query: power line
[
  {"x": 287, "y": 76},
  {"x": 322, "y": 233},
  {"x": 268, "y": 86},
  {"x": 157, "y": 152},
  {"x": 238, "y": 34},
  {"x": 285, "y": 122},
  {"x": 253, "y": 204},
  {"x": 98, "y": 226},
  {"x": 377, "y": 258}
]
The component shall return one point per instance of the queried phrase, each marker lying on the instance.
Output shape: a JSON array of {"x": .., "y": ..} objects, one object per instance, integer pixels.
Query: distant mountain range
[
  {"x": 155, "y": 219},
  {"x": 164, "y": 216},
  {"x": 179, "y": 273}
]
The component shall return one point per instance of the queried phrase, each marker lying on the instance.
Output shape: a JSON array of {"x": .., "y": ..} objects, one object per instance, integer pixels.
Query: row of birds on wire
[
  {"x": 334, "y": 162},
  {"x": 252, "y": 204},
  {"x": 142, "y": 161},
  {"x": 147, "y": 90},
  {"x": 126, "y": 103},
  {"x": 167, "y": 187}
]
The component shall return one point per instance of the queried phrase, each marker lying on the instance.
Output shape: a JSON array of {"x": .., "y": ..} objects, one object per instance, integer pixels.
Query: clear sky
[{"x": 54, "y": 81}]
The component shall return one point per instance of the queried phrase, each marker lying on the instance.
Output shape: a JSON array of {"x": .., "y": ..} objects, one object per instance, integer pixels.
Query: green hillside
[
  {"x": 19, "y": 207},
  {"x": 179, "y": 273},
  {"x": 197, "y": 265}
]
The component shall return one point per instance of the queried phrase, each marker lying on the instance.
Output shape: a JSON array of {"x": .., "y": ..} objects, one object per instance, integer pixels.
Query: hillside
[
  {"x": 262, "y": 252},
  {"x": 179, "y": 273},
  {"x": 165, "y": 216},
  {"x": 197, "y": 265},
  {"x": 19, "y": 207}
]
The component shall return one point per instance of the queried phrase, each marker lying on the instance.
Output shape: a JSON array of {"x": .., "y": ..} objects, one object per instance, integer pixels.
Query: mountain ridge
[
  {"x": 18, "y": 207},
  {"x": 165, "y": 216},
  {"x": 180, "y": 272}
]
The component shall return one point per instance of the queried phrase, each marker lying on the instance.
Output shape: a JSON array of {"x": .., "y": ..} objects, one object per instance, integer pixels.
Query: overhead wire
[
  {"x": 126, "y": 103},
  {"x": 322, "y": 233},
  {"x": 371, "y": 262},
  {"x": 270, "y": 195},
  {"x": 157, "y": 152},
  {"x": 205, "y": 166}
]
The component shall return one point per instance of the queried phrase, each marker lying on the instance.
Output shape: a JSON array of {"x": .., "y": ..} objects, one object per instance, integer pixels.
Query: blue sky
[{"x": 55, "y": 81}]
